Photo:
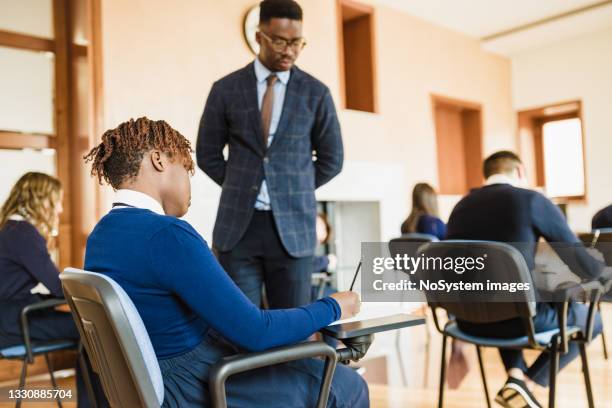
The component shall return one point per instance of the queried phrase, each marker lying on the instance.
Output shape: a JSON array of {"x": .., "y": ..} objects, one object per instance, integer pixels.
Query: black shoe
[{"x": 514, "y": 394}]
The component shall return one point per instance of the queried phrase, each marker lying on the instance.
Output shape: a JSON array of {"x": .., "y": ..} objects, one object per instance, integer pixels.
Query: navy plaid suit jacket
[{"x": 306, "y": 152}]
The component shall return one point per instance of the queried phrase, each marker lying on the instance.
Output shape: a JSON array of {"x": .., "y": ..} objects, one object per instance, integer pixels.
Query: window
[
  {"x": 17, "y": 162},
  {"x": 26, "y": 80},
  {"x": 459, "y": 144},
  {"x": 32, "y": 17},
  {"x": 357, "y": 74},
  {"x": 552, "y": 147},
  {"x": 50, "y": 104},
  {"x": 563, "y": 161}
]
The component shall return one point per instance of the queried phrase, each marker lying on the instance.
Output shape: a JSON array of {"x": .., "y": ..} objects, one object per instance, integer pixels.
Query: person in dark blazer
[
  {"x": 503, "y": 211},
  {"x": 424, "y": 217},
  {"x": 603, "y": 218},
  {"x": 283, "y": 138},
  {"x": 28, "y": 220}
]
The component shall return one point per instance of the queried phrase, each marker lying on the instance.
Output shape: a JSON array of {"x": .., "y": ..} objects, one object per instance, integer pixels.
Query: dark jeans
[
  {"x": 260, "y": 259},
  {"x": 49, "y": 325},
  {"x": 295, "y": 384},
  {"x": 544, "y": 320}
]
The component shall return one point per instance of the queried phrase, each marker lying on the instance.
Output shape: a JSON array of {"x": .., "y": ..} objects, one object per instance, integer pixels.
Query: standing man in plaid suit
[{"x": 283, "y": 138}]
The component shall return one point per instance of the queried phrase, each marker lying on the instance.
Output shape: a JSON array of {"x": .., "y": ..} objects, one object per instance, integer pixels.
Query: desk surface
[{"x": 373, "y": 326}]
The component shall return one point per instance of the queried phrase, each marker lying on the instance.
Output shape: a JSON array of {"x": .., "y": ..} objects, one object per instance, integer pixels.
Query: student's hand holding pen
[{"x": 349, "y": 302}]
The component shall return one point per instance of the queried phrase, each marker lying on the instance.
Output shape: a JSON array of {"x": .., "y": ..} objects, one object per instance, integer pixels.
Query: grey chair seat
[
  {"x": 19, "y": 351},
  {"x": 542, "y": 338}
]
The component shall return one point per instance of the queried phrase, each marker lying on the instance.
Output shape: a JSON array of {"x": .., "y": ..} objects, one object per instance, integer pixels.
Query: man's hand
[{"x": 349, "y": 303}]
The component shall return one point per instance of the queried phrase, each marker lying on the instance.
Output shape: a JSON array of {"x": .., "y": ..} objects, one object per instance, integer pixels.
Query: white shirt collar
[
  {"x": 501, "y": 179},
  {"x": 16, "y": 217},
  {"x": 262, "y": 73},
  {"x": 139, "y": 200}
]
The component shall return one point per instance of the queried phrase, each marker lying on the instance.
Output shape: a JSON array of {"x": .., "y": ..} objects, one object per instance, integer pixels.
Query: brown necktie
[{"x": 266, "y": 107}]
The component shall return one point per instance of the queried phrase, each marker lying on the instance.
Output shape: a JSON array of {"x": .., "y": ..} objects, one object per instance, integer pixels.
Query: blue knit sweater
[{"x": 181, "y": 291}]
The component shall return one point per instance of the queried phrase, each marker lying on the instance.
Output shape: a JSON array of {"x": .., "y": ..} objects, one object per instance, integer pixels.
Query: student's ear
[{"x": 158, "y": 160}]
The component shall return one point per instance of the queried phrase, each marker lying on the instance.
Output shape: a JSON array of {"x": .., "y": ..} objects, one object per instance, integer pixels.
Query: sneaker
[{"x": 514, "y": 394}]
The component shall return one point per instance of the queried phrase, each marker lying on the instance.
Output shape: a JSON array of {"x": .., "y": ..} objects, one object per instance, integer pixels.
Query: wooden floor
[
  {"x": 570, "y": 393},
  {"x": 570, "y": 389}
]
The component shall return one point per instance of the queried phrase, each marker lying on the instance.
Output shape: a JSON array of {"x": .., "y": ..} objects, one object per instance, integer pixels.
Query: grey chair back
[
  {"x": 408, "y": 243},
  {"x": 416, "y": 237},
  {"x": 115, "y": 338},
  {"x": 481, "y": 306}
]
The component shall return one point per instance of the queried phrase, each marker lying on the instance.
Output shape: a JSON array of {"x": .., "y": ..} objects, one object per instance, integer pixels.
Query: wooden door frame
[{"x": 461, "y": 104}]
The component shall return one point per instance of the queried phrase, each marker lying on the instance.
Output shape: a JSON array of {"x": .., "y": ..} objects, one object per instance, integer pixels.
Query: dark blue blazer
[
  {"x": 306, "y": 153},
  {"x": 501, "y": 212},
  {"x": 603, "y": 218}
]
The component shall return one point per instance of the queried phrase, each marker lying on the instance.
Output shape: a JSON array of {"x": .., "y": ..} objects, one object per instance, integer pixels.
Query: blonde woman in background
[{"x": 29, "y": 220}]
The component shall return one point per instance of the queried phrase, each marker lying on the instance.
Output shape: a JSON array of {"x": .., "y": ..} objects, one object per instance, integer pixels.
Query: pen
[{"x": 355, "y": 276}]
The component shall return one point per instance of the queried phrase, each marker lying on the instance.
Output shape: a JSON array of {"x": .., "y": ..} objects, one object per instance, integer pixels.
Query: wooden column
[{"x": 63, "y": 131}]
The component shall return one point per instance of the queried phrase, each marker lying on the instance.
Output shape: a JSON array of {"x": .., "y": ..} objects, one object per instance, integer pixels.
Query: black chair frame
[
  {"x": 30, "y": 349},
  {"x": 558, "y": 344},
  {"x": 228, "y": 366}
]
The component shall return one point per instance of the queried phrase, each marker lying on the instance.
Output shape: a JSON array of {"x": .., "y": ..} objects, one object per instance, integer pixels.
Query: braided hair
[{"x": 118, "y": 157}]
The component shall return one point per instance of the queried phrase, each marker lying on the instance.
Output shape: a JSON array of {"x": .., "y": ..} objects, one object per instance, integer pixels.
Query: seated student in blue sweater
[
  {"x": 423, "y": 217},
  {"x": 193, "y": 311},
  {"x": 503, "y": 211}
]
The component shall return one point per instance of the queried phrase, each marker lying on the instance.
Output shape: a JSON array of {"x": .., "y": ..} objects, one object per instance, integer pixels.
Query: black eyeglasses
[{"x": 280, "y": 44}]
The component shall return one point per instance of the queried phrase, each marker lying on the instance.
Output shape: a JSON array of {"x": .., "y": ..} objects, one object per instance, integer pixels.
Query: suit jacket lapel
[
  {"x": 292, "y": 95},
  {"x": 248, "y": 86}
]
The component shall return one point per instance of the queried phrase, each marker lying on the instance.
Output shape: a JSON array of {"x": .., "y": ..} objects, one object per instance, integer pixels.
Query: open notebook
[{"x": 373, "y": 310}]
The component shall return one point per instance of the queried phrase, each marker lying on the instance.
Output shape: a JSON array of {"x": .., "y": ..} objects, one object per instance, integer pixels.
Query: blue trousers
[
  {"x": 546, "y": 318},
  {"x": 294, "y": 384}
]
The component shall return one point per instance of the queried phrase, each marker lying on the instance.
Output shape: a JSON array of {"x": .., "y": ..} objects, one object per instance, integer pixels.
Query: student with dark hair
[
  {"x": 423, "y": 217},
  {"x": 193, "y": 312},
  {"x": 503, "y": 211},
  {"x": 603, "y": 218},
  {"x": 275, "y": 120}
]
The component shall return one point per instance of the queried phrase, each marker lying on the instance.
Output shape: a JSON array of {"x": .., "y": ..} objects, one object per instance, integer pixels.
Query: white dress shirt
[
  {"x": 501, "y": 179},
  {"x": 280, "y": 88},
  {"x": 133, "y": 198}
]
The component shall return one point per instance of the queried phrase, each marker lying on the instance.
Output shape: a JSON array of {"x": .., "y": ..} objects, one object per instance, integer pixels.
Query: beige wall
[
  {"x": 579, "y": 68},
  {"x": 160, "y": 61}
]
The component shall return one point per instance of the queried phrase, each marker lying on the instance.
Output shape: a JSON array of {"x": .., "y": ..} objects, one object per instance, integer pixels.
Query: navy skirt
[{"x": 294, "y": 384}]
